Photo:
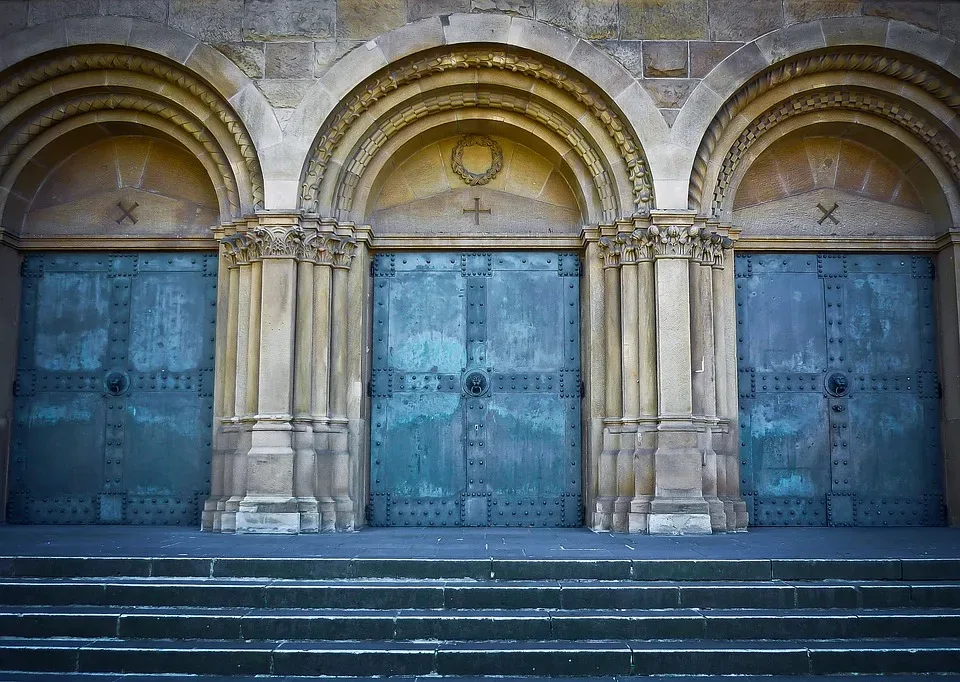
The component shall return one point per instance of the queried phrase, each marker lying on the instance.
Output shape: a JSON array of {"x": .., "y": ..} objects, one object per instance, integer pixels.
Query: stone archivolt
[
  {"x": 935, "y": 84},
  {"x": 355, "y": 105},
  {"x": 243, "y": 193}
]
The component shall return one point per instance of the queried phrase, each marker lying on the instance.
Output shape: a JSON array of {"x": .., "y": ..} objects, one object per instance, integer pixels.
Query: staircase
[{"x": 449, "y": 617}]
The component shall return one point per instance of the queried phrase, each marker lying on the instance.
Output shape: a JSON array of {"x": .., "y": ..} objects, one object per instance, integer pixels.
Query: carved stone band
[{"x": 496, "y": 161}]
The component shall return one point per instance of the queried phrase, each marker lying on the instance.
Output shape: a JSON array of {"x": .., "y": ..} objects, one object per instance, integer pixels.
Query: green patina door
[
  {"x": 114, "y": 392},
  {"x": 839, "y": 397},
  {"x": 476, "y": 390}
]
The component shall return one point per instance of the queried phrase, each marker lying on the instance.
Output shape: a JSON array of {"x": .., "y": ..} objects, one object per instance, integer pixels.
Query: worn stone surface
[
  {"x": 739, "y": 20},
  {"x": 285, "y": 93},
  {"x": 663, "y": 19},
  {"x": 289, "y": 60},
  {"x": 42, "y": 11},
  {"x": 808, "y": 10},
  {"x": 523, "y": 8},
  {"x": 917, "y": 12},
  {"x": 248, "y": 56},
  {"x": 665, "y": 59},
  {"x": 590, "y": 19},
  {"x": 950, "y": 20},
  {"x": 670, "y": 116},
  {"x": 326, "y": 54},
  {"x": 670, "y": 93},
  {"x": 215, "y": 21},
  {"x": 269, "y": 19},
  {"x": 13, "y": 17},
  {"x": 706, "y": 55},
  {"x": 151, "y": 10},
  {"x": 628, "y": 52},
  {"x": 365, "y": 19},
  {"x": 421, "y": 9}
]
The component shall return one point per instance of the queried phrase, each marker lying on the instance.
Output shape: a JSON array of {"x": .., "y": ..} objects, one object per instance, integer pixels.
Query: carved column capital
[
  {"x": 236, "y": 247},
  {"x": 674, "y": 241},
  {"x": 610, "y": 249},
  {"x": 276, "y": 241}
]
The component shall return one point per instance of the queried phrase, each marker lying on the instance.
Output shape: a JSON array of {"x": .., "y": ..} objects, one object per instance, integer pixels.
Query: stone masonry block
[
  {"x": 744, "y": 19},
  {"x": 421, "y": 9},
  {"x": 670, "y": 93},
  {"x": 327, "y": 53},
  {"x": 628, "y": 52},
  {"x": 248, "y": 56},
  {"x": 665, "y": 58},
  {"x": 272, "y": 19},
  {"x": 705, "y": 55},
  {"x": 807, "y": 10},
  {"x": 151, "y": 10},
  {"x": 950, "y": 20},
  {"x": 590, "y": 19},
  {"x": 42, "y": 11},
  {"x": 13, "y": 17},
  {"x": 523, "y": 8},
  {"x": 365, "y": 19},
  {"x": 285, "y": 93},
  {"x": 289, "y": 60},
  {"x": 216, "y": 21},
  {"x": 916, "y": 12},
  {"x": 663, "y": 19}
]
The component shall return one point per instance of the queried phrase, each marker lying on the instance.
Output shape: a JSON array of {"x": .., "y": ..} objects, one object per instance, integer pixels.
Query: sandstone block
[
  {"x": 915, "y": 40},
  {"x": 523, "y": 8},
  {"x": 706, "y": 55},
  {"x": 665, "y": 59},
  {"x": 42, "y": 11},
  {"x": 670, "y": 116},
  {"x": 365, "y": 19},
  {"x": 792, "y": 40},
  {"x": 271, "y": 19},
  {"x": 855, "y": 30},
  {"x": 289, "y": 60},
  {"x": 154, "y": 38},
  {"x": 807, "y": 10},
  {"x": 663, "y": 19},
  {"x": 325, "y": 54},
  {"x": 284, "y": 93},
  {"x": 950, "y": 20},
  {"x": 916, "y": 12},
  {"x": 215, "y": 21},
  {"x": 727, "y": 76},
  {"x": 421, "y": 9},
  {"x": 13, "y": 17},
  {"x": 151, "y": 10},
  {"x": 420, "y": 35},
  {"x": 106, "y": 30},
  {"x": 670, "y": 93},
  {"x": 248, "y": 56},
  {"x": 628, "y": 52},
  {"x": 590, "y": 19},
  {"x": 740, "y": 20}
]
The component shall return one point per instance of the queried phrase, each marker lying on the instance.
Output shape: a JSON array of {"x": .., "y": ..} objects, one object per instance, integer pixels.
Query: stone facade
[{"x": 655, "y": 137}]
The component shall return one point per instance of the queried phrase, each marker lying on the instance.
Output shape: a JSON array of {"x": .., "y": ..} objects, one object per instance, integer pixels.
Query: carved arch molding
[
  {"x": 352, "y": 108},
  {"x": 937, "y": 84},
  {"x": 164, "y": 93}
]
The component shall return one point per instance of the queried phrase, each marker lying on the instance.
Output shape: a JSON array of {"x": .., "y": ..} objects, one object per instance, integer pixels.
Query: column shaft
[{"x": 630, "y": 332}]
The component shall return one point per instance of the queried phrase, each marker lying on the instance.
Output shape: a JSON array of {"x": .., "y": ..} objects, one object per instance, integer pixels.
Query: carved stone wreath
[{"x": 486, "y": 176}]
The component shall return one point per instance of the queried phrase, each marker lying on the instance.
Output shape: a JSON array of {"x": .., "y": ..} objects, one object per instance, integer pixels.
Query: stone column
[
  {"x": 607, "y": 473},
  {"x": 704, "y": 373},
  {"x": 269, "y": 504},
  {"x": 593, "y": 368},
  {"x": 678, "y": 505},
  {"x": 322, "y": 278},
  {"x": 358, "y": 369},
  {"x": 305, "y": 455},
  {"x": 728, "y": 296},
  {"x": 646, "y": 440},
  {"x": 722, "y": 442},
  {"x": 630, "y": 378},
  {"x": 948, "y": 309}
]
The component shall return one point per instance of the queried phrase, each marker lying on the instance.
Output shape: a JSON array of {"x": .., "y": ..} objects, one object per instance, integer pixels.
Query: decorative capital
[
  {"x": 236, "y": 247},
  {"x": 276, "y": 241},
  {"x": 610, "y": 251},
  {"x": 674, "y": 241},
  {"x": 340, "y": 250}
]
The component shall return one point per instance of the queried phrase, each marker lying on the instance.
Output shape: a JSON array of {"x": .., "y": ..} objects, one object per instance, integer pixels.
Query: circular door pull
[
  {"x": 837, "y": 384},
  {"x": 116, "y": 383},
  {"x": 476, "y": 383}
]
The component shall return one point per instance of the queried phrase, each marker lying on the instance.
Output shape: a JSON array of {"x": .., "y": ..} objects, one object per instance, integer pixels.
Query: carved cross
[
  {"x": 127, "y": 212},
  {"x": 828, "y": 213},
  {"x": 476, "y": 210}
]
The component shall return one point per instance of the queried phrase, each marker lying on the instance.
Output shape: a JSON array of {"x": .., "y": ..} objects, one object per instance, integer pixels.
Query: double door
[{"x": 475, "y": 390}]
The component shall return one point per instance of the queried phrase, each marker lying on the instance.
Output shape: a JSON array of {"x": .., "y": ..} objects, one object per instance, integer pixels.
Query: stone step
[
  {"x": 466, "y": 625},
  {"x": 134, "y": 677},
  {"x": 585, "y": 658},
  {"x": 483, "y": 569},
  {"x": 386, "y": 594}
]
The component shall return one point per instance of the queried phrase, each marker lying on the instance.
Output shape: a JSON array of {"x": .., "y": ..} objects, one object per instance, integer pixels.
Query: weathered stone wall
[{"x": 668, "y": 45}]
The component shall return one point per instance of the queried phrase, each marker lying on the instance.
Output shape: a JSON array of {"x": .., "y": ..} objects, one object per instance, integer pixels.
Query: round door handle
[
  {"x": 116, "y": 383},
  {"x": 476, "y": 383},
  {"x": 837, "y": 385}
]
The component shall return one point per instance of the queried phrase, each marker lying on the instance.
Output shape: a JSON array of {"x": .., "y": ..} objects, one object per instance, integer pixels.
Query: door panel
[
  {"x": 114, "y": 392},
  {"x": 838, "y": 390},
  {"x": 476, "y": 390}
]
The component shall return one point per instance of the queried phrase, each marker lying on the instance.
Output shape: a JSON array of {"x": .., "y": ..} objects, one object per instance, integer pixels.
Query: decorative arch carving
[
  {"x": 185, "y": 101},
  {"x": 423, "y": 68},
  {"x": 927, "y": 78}
]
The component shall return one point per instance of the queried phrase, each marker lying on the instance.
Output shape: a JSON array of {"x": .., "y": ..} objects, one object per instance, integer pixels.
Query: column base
[
  {"x": 718, "y": 517},
  {"x": 740, "y": 509},
  {"x": 602, "y": 520},
  {"x": 679, "y": 523}
]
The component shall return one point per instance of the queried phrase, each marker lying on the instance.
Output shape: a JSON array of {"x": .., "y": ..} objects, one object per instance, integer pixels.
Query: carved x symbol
[
  {"x": 828, "y": 213},
  {"x": 127, "y": 212}
]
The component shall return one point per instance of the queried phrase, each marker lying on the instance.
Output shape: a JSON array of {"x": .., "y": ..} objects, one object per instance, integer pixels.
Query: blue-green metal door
[
  {"x": 476, "y": 390},
  {"x": 114, "y": 392},
  {"x": 839, "y": 397}
]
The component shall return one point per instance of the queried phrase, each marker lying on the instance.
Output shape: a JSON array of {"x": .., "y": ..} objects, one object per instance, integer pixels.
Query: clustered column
[
  {"x": 284, "y": 461},
  {"x": 669, "y": 458}
]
